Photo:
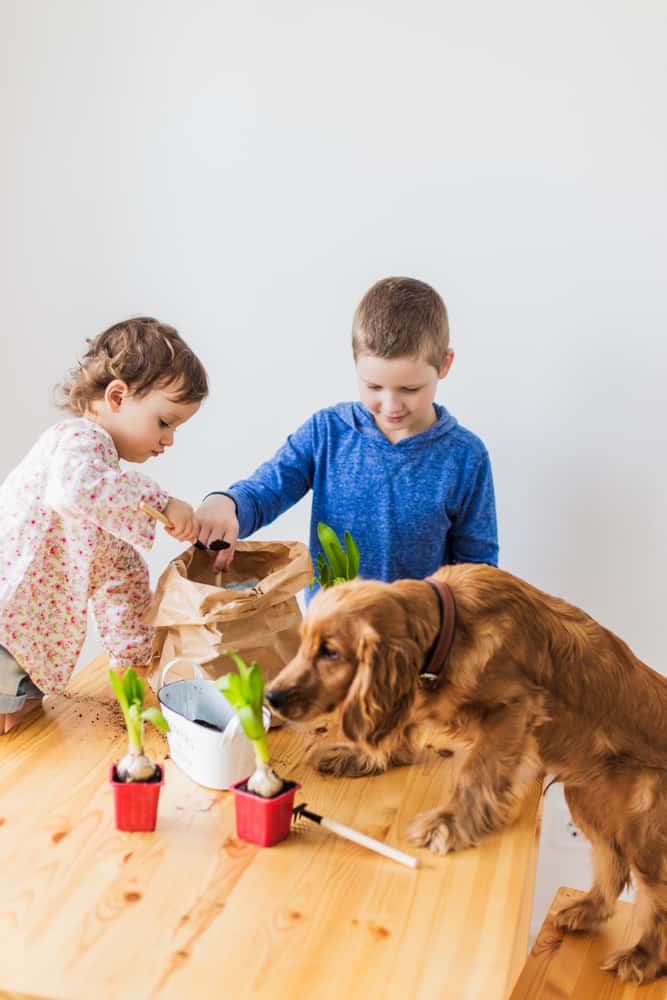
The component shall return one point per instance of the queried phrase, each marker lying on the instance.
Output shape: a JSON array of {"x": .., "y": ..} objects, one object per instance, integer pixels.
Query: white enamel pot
[{"x": 215, "y": 757}]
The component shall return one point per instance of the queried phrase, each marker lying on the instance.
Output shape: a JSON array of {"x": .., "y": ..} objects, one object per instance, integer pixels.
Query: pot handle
[{"x": 197, "y": 670}]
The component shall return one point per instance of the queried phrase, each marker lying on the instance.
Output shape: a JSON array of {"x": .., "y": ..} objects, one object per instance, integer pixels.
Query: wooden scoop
[{"x": 216, "y": 546}]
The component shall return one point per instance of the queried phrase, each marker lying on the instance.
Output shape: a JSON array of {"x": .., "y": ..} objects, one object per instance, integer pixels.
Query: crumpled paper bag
[{"x": 251, "y": 609}]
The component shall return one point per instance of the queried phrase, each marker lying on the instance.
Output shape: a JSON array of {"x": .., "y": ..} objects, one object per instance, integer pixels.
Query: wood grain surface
[
  {"x": 567, "y": 966},
  {"x": 88, "y": 912}
]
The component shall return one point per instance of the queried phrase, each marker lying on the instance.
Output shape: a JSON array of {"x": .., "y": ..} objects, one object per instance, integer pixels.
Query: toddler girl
[{"x": 70, "y": 517}]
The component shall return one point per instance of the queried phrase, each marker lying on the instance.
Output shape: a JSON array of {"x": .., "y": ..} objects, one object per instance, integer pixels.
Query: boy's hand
[
  {"x": 182, "y": 517},
  {"x": 216, "y": 518}
]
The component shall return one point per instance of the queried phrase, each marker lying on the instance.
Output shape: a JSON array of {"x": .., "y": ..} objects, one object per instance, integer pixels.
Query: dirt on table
[{"x": 96, "y": 711}]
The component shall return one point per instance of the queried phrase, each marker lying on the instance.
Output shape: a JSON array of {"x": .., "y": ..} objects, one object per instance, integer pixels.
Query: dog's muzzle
[{"x": 277, "y": 699}]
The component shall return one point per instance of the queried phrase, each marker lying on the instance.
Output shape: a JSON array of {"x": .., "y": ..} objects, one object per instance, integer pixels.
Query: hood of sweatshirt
[{"x": 356, "y": 415}]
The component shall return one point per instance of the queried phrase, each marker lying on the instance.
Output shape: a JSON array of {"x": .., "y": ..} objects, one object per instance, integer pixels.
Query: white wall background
[{"x": 246, "y": 170}]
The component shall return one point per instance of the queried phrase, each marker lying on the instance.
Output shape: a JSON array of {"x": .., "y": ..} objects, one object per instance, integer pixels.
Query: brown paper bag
[{"x": 196, "y": 614}]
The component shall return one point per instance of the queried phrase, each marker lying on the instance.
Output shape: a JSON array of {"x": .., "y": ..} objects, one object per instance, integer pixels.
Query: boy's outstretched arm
[
  {"x": 251, "y": 503},
  {"x": 474, "y": 533}
]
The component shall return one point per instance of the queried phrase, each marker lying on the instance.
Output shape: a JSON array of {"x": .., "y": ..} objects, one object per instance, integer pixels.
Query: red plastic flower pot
[
  {"x": 136, "y": 802},
  {"x": 263, "y": 821}
]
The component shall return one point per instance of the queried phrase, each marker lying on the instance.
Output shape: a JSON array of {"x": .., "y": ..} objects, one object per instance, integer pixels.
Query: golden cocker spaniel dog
[{"x": 528, "y": 684}]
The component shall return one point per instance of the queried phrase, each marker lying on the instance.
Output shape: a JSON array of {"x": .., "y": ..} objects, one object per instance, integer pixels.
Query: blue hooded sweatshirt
[{"x": 411, "y": 506}]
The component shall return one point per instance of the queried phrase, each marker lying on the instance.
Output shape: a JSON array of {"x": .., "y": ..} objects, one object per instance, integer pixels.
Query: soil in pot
[{"x": 155, "y": 778}]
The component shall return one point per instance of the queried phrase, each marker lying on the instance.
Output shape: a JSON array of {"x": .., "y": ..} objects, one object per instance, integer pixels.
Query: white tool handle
[
  {"x": 373, "y": 845},
  {"x": 198, "y": 672}
]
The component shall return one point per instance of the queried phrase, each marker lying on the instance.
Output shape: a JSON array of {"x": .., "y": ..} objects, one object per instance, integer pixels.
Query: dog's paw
[
  {"x": 438, "y": 831},
  {"x": 430, "y": 830},
  {"x": 583, "y": 915},
  {"x": 341, "y": 760},
  {"x": 634, "y": 965}
]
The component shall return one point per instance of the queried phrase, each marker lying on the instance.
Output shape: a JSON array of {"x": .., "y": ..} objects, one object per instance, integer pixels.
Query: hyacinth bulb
[
  {"x": 265, "y": 782},
  {"x": 135, "y": 766}
]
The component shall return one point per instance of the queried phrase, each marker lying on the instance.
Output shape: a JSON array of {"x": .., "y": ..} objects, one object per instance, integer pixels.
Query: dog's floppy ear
[{"x": 381, "y": 692}]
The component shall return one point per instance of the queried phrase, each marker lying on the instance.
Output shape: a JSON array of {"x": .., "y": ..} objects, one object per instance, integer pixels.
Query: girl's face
[
  {"x": 141, "y": 426},
  {"x": 399, "y": 392}
]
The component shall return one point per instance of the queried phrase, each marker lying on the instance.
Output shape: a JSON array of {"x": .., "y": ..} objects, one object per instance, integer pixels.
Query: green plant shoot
[
  {"x": 245, "y": 693},
  {"x": 130, "y": 691},
  {"x": 335, "y": 564}
]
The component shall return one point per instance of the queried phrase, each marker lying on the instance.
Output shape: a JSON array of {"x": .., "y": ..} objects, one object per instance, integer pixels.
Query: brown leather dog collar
[{"x": 431, "y": 673}]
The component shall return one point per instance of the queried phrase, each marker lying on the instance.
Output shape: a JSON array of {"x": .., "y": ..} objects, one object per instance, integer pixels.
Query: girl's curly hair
[{"x": 144, "y": 354}]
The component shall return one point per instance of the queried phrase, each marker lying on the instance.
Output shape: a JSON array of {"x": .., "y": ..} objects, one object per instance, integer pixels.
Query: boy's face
[{"x": 399, "y": 392}]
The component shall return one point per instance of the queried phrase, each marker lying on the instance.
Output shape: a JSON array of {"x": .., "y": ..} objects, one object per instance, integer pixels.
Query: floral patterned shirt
[{"x": 69, "y": 521}]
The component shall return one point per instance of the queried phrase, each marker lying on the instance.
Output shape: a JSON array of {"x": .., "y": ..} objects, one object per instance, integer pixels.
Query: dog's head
[{"x": 358, "y": 649}]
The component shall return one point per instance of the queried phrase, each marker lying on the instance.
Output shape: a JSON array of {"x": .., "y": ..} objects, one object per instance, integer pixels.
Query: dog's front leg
[
  {"x": 490, "y": 787},
  {"x": 355, "y": 760}
]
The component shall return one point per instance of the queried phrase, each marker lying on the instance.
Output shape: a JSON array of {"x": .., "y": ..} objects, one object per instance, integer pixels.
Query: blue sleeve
[
  {"x": 277, "y": 484},
  {"x": 473, "y": 536}
]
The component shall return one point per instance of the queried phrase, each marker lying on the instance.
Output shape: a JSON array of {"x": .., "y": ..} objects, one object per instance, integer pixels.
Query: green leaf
[
  {"x": 238, "y": 660},
  {"x": 230, "y": 686},
  {"x": 243, "y": 670},
  {"x": 353, "y": 557},
  {"x": 252, "y": 726},
  {"x": 322, "y": 575},
  {"x": 140, "y": 689},
  {"x": 245, "y": 693},
  {"x": 244, "y": 677},
  {"x": 332, "y": 549},
  {"x": 134, "y": 687},
  {"x": 155, "y": 716},
  {"x": 256, "y": 688},
  {"x": 119, "y": 690},
  {"x": 335, "y": 564},
  {"x": 128, "y": 685}
]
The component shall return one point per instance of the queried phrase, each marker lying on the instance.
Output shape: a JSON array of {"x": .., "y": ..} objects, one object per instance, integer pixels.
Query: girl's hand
[
  {"x": 216, "y": 518},
  {"x": 182, "y": 517}
]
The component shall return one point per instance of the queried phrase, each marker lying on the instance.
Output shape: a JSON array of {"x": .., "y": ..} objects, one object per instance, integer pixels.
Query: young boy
[{"x": 396, "y": 469}]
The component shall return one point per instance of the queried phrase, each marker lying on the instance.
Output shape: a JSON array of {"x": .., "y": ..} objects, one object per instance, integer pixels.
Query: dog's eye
[{"x": 328, "y": 653}]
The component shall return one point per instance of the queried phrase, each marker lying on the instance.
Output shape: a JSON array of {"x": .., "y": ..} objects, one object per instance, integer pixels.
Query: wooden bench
[{"x": 564, "y": 966}]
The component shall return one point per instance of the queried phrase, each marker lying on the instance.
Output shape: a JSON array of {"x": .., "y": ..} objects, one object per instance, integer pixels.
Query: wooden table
[{"x": 88, "y": 912}]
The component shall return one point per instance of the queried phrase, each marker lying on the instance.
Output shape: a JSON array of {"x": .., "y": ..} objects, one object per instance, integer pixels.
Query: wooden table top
[{"x": 86, "y": 911}]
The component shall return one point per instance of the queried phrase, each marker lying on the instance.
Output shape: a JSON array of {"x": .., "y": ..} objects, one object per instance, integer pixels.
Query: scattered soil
[
  {"x": 218, "y": 544},
  {"x": 104, "y": 712}
]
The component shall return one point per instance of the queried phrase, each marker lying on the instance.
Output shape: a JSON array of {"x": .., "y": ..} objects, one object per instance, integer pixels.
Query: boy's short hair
[
  {"x": 143, "y": 353},
  {"x": 398, "y": 317}
]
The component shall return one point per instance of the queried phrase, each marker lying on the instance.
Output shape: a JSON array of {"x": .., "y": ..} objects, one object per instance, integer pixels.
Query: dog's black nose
[{"x": 276, "y": 698}]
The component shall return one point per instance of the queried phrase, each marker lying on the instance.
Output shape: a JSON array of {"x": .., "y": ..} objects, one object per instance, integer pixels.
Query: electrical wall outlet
[
  {"x": 573, "y": 832},
  {"x": 566, "y": 834}
]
